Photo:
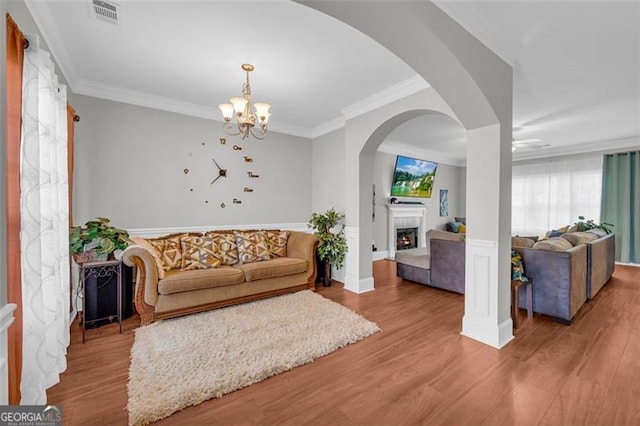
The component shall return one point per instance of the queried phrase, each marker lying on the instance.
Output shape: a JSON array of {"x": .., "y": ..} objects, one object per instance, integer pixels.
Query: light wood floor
[{"x": 418, "y": 370}]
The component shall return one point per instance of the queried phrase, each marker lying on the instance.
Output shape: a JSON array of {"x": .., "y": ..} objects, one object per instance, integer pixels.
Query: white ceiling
[{"x": 576, "y": 66}]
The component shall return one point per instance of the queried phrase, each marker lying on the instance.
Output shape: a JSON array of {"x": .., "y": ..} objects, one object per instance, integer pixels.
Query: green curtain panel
[{"x": 621, "y": 202}]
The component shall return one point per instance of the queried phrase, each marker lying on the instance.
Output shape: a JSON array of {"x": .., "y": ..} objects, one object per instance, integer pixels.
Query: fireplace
[
  {"x": 406, "y": 216},
  {"x": 406, "y": 238}
]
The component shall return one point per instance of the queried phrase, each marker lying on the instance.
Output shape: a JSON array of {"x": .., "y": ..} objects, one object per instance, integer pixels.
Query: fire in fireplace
[{"x": 406, "y": 238}]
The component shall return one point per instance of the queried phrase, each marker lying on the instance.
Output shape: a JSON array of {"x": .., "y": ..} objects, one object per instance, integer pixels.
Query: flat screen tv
[{"x": 413, "y": 177}]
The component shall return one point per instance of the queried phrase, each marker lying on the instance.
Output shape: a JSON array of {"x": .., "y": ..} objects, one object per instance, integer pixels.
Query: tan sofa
[{"x": 164, "y": 291}]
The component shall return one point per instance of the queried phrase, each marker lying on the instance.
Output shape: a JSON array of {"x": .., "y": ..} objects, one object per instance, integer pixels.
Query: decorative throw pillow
[
  {"x": 555, "y": 233},
  {"x": 462, "y": 228},
  {"x": 143, "y": 243},
  {"x": 199, "y": 253},
  {"x": 170, "y": 250},
  {"x": 455, "y": 226},
  {"x": 461, "y": 219},
  {"x": 227, "y": 247},
  {"x": 576, "y": 238},
  {"x": 553, "y": 244},
  {"x": 517, "y": 267},
  {"x": 277, "y": 242},
  {"x": 252, "y": 246}
]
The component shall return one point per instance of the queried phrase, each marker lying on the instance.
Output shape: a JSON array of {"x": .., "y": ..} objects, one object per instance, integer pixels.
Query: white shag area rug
[{"x": 181, "y": 362}]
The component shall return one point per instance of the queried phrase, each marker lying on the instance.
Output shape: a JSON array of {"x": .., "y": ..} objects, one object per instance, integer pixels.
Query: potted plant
[
  {"x": 329, "y": 228},
  {"x": 590, "y": 224},
  {"x": 96, "y": 240}
]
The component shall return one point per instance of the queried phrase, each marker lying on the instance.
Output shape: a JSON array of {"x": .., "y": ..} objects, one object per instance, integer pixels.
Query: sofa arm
[
  {"x": 448, "y": 264},
  {"x": 302, "y": 245},
  {"x": 146, "y": 280},
  {"x": 601, "y": 262},
  {"x": 559, "y": 280}
]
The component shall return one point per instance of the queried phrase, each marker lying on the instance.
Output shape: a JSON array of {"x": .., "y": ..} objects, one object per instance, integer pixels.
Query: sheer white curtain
[
  {"x": 44, "y": 233},
  {"x": 552, "y": 194}
]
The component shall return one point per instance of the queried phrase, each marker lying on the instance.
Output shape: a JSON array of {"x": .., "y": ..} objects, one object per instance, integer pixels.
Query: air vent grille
[{"x": 105, "y": 10}]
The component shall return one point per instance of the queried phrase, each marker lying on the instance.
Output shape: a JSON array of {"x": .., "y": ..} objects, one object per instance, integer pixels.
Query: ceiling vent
[{"x": 104, "y": 10}]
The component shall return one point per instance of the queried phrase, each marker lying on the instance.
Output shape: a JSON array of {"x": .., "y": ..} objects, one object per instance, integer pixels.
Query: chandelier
[{"x": 247, "y": 115}]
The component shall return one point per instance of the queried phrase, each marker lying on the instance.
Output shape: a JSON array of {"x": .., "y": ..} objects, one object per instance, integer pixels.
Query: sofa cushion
[
  {"x": 522, "y": 242},
  {"x": 576, "y": 238},
  {"x": 227, "y": 247},
  {"x": 442, "y": 235},
  {"x": 461, "y": 219},
  {"x": 273, "y": 268},
  {"x": 177, "y": 281},
  {"x": 553, "y": 244},
  {"x": 598, "y": 231},
  {"x": 170, "y": 250},
  {"x": 143, "y": 243},
  {"x": 252, "y": 246},
  {"x": 418, "y": 257},
  {"x": 277, "y": 242},
  {"x": 199, "y": 253}
]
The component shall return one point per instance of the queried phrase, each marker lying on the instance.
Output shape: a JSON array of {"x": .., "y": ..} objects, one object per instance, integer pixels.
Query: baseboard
[
  {"x": 635, "y": 265},
  {"x": 492, "y": 335},
  {"x": 365, "y": 285},
  {"x": 158, "y": 232}
]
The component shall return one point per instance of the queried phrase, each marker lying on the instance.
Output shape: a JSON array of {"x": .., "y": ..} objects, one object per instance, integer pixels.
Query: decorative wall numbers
[{"x": 223, "y": 170}]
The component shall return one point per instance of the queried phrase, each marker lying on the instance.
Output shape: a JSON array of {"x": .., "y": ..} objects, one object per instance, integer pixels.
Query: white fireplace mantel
[{"x": 400, "y": 212}]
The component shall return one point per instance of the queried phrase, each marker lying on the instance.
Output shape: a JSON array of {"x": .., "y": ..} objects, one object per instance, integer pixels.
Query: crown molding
[
  {"x": 386, "y": 96},
  {"x": 328, "y": 127},
  {"x": 471, "y": 16},
  {"x": 600, "y": 147}
]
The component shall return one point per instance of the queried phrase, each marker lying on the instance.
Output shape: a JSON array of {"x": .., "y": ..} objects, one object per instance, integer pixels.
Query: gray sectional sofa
[
  {"x": 566, "y": 271},
  {"x": 441, "y": 265}
]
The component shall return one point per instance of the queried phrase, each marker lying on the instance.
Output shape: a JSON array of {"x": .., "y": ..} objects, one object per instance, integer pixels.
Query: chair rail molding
[
  {"x": 159, "y": 232},
  {"x": 480, "y": 299}
]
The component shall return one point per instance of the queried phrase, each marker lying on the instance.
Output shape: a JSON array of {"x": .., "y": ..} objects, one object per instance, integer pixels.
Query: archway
[{"x": 477, "y": 86}]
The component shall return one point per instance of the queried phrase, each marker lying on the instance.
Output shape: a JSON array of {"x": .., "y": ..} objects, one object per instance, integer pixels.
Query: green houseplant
[
  {"x": 97, "y": 235},
  {"x": 585, "y": 225},
  {"x": 329, "y": 228}
]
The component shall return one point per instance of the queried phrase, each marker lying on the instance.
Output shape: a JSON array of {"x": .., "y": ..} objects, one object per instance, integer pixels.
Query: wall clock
[{"x": 216, "y": 170}]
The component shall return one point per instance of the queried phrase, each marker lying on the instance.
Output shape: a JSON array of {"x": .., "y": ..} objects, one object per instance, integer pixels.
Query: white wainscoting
[
  {"x": 480, "y": 321},
  {"x": 6, "y": 319},
  {"x": 352, "y": 281},
  {"x": 159, "y": 232}
]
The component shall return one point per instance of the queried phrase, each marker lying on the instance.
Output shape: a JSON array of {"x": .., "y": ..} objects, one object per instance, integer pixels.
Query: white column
[{"x": 488, "y": 244}]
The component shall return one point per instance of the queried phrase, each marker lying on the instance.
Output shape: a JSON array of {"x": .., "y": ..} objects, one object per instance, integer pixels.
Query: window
[{"x": 550, "y": 195}]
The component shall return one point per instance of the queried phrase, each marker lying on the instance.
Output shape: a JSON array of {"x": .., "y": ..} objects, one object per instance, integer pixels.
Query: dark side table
[
  {"x": 516, "y": 287},
  {"x": 101, "y": 272}
]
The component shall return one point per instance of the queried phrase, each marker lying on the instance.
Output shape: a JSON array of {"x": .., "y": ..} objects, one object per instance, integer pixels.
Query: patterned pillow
[
  {"x": 169, "y": 250},
  {"x": 252, "y": 246},
  {"x": 227, "y": 247},
  {"x": 462, "y": 228},
  {"x": 517, "y": 267},
  {"x": 199, "y": 253},
  {"x": 277, "y": 242},
  {"x": 143, "y": 243}
]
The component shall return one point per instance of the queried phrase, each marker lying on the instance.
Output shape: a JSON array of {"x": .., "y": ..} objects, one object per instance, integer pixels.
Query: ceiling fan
[{"x": 528, "y": 144}]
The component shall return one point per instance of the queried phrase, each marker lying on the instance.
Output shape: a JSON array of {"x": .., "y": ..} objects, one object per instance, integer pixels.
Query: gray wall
[
  {"x": 129, "y": 167},
  {"x": 328, "y": 171},
  {"x": 447, "y": 177}
]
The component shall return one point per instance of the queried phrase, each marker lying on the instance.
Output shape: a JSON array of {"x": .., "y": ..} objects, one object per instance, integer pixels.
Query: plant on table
[
  {"x": 329, "y": 228},
  {"x": 98, "y": 235},
  {"x": 585, "y": 225}
]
